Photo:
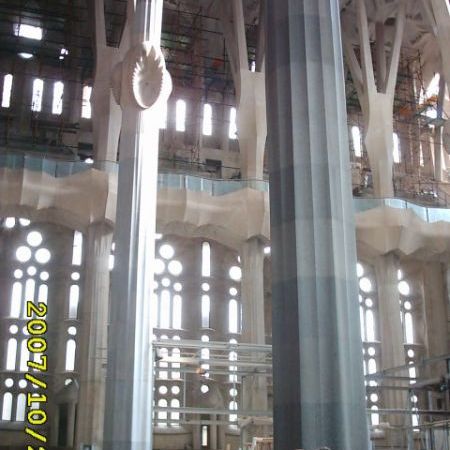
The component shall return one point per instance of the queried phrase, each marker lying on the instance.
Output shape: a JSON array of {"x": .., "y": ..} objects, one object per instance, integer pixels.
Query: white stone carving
[
  {"x": 116, "y": 82},
  {"x": 141, "y": 79}
]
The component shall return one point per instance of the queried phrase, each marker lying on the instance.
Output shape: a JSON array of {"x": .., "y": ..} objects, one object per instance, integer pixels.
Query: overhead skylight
[
  {"x": 28, "y": 31},
  {"x": 25, "y": 55}
]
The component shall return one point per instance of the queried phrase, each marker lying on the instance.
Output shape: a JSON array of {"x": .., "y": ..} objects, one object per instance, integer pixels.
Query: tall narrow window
[
  {"x": 356, "y": 137},
  {"x": 207, "y": 120},
  {"x": 396, "y": 149},
  {"x": 20, "y": 410},
  {"x": 233, "y": 316},
  {"x": 77, "y": 254},
  {"x": 206, "y": 259},
  {"x": 7, "y": 406},
  {"x": 232, "y": 130},
  {"x": 7, "y": 88},
  {"x": 24, "y": 356},
  {"x": 176, "y": 355},
  {"x": 181, "y": 115},
  {"x": 204, "y": 435},
  {"x": 162, "y": 415},
  {"x": 177, "y": 311},
  {"x": 409, "y": 328},
  {"x": 86, "y": 110},
  {"x": 164, "y": 320},
  {"x": 233, "y": 407},
  {"x": 370, "y": 326},
  {"x": 29, "y": 294},
  {"x": 11, "y": 354},
  {"x": 16, "y": 299},
  {"x": 38, "y": 93},
  {"x": 58, "y": 92},
  {"x": 175, "y": 416},
  {"x": 74, "y": 297},
  {"x": 163, "y": 117},
  {"x": 71, "y": 347},
  {"x": 205, "y": 311}
]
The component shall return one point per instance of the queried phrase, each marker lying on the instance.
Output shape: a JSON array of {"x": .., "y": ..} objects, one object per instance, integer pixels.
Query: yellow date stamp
[{"x": 37, "y": 345}]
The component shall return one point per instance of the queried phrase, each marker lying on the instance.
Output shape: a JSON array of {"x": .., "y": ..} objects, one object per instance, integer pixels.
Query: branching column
[
  {"x": 106, "y": 114},
  {"x": 438, "y": 14},
  {"x": 377, "y": 98},
  {"x": 250, "y": 92},
  {"x": 317, "y": 350}
]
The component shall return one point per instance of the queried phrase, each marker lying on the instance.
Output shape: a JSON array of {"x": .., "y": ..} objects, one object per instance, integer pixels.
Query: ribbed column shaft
[{"x": 318, "y": 379}]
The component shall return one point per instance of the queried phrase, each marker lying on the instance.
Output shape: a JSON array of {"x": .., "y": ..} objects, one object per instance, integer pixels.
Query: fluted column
[
  {"x": 94, "y": 321},
  {"x": 141, "y": 85},
  {"x": 317, "y": 349},
  {"x": 254, "y": 387},
  {"x": 436, "y": 313},
  {"x": 391, "y": 331},
  {"x": 253, "y": 328}
]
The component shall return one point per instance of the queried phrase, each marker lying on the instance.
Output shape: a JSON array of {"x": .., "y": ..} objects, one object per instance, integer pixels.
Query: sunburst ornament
[
  {"x": 142, "y": 77},
  {"x": 150, "y": 80}
]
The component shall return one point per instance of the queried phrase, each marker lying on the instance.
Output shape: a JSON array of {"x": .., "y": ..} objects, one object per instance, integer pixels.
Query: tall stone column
[
  {"x": 94, "y": 320},
  {"x": 141, "y": 85},
  {"x": 436, "y": 313},
  {"x": 252, "y": 291},
  {"x": 250, "y": 93},
  {"x": 254, "y": 394},
  {"x": 391, "y": 331},
  {"x": 317, "y": 350}
]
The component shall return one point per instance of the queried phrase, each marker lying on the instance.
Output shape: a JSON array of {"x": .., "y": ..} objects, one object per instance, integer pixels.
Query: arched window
[
  {"x": 16, "y": 299},
  {"x": 74, "y": 297},
  {"x": 71, "y": 347},
  {"x": 162, "y": 415},
  {"x": 175, "y": 415},
  {"x": 11, "y": 354},
  {"x": 396, "y": 148},
  {"x": 77, "y": 252},
  {"x": 206, "y": 308},
  {"x": 233, "y": 316},
  {"x": 207, "y": 119},
  {"x": 86, "y": 108},
  {"x": 177, "y": 312},
  {"x": 180, "y": 115},
  {"x": 20, "y": 409},
  {"x": 232, "y": 130},
  {"x": 7, "y": 89},
  {"x": 176, "y": 355},
  {"x": 356, "y": 137},
  {"x": 206, "y": 259},
  {"x": 233, "y": 406},
  {"x": 7, "y": 406},
  {"x": 58, "y": 92},
  {"x": 164, "y": 321},
  {"x": 24, "y": 356},
  {"x": 38, "y": 93}
]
